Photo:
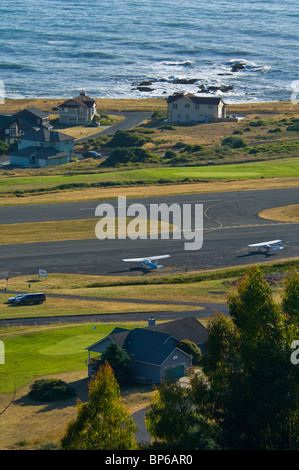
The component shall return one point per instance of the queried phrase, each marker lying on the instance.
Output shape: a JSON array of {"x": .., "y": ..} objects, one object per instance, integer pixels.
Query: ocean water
[{"x": 55, "y": 48}]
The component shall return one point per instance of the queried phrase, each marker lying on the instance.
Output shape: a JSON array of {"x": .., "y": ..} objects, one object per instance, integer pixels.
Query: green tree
[
  {"x": 192, "y": 349},
  {"x": 3, "y": 147},
  {"x": 171, "y": 418},
  {"x": 102, "y": 423},
  {"x": 252, "y": 391},
  {"x": 290, "y": 299},
  {"x": 119, "y": 360}
]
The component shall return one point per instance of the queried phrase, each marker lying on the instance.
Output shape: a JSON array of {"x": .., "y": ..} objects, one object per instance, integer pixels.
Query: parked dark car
[
  {"x": 92, "y": 153},
  {"x": 29, "y": 299}
]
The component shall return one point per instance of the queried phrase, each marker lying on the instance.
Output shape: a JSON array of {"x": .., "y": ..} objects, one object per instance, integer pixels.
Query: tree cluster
[
  {"x": 247, "y": 396},
  {"x": 244, "y": 396}
]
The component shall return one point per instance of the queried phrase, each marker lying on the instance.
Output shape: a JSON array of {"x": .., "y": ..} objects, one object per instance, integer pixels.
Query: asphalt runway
[{"x": 231, "y": 222}]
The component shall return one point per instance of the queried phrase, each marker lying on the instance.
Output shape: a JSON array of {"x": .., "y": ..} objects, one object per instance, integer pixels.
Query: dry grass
[
  {"x": 282, "y": 214},
  {"x": 80, "y": 229},
  {"x": 104, "y": 105},
  {"x": 263, "y": 108},
  {"x": 146, "y": 104},
  {"x": 28, "y": 425}
]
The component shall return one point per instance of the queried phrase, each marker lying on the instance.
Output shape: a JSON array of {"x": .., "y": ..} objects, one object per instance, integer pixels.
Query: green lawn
[
  {"x": 288, "y": 167},
  {"x": 31, "y": 354}
]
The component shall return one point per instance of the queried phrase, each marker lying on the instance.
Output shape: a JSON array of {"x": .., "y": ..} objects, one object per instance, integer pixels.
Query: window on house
[
  {"x": 175, "y": 106},
  {"x": 197, "y": 106},
  {"x": 187, "y": 105},
  {"x": 81, "y": 109}
]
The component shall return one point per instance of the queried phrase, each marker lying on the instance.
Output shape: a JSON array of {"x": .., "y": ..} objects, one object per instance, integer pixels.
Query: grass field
[
  {"x": 31, "y": 353},
  {"x": 79, "y": 229},
  {"x": 286, "y": 168}
]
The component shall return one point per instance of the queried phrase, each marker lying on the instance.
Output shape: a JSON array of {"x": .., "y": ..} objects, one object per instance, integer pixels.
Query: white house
[
  {"x": 191, "y": 108},
  {"x": 77, "y": 111}
]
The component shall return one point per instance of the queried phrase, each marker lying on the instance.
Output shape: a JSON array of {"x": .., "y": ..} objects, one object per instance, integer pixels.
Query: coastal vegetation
[{"x": 58, "y": 352}]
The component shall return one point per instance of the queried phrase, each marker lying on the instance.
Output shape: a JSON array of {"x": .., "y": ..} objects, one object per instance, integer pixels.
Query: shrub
[
  {"x": 233, "y": 142},
  {"x": 3, "y": 147},
  {"x": 192, "y": 349},
  {"x": 47, "y": 390},
  {"x": 127, "y": 139},
  {"x": 124, "y": 156},
  {"x": 294, "y": 126}
]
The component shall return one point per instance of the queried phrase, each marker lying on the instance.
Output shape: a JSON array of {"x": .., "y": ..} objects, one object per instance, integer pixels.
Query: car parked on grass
[
  {"x": 93, "y": 154},
  {"x": 27, "y": 299}
]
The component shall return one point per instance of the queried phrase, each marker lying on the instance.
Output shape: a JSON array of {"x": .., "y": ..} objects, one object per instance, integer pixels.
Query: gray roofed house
[
  {"x": 42, "y": 148},
  {"x": 33, "y": 118},
  {"x": 154, "y": 351},
  {"x": 9, "y": 129}
]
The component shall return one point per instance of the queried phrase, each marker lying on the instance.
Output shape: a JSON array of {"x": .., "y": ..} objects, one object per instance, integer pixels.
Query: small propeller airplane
[
  {"x": 149, "y": 263},
  {"x": 272, "y": 245}
]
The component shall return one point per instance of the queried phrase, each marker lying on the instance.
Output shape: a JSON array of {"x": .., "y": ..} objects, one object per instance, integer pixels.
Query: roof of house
[
  {"x": 149, "y": 346},
  {"x": 184, "y": 328},
  {"x": 195, "y": 99},
  {"x": 154, "y": 343},
  {"x": 81, "y": 100},
  {"x": 46, "y": 135},
  {"x": 6, "y": 121},
  {"x": 48, "y": 153},
  {"x": 33, "y": 110}
]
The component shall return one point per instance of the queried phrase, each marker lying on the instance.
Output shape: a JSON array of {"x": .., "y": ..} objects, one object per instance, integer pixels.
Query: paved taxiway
[{"x": 231, "y": 222}]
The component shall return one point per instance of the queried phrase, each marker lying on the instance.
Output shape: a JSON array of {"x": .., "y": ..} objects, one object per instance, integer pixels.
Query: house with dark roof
[
  {"x": 190, "y": 108},
  {"x": 77, "y": 111},
  {"x": 154, "y": 351},
  {"x": 32, "y": 119},
  {"x": 42, "y": 148},
  {"x": 9, "y": 129}
]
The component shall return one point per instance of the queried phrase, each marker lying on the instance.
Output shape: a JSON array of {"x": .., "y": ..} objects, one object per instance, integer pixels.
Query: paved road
[
  {"x": 131, "y": 120},
  {"x": 231, "y": 222}
]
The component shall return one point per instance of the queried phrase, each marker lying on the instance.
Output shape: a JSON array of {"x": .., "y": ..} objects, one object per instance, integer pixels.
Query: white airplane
[
  {"x": 272, "y": 245},
  {"x": 149, "y": 263}
]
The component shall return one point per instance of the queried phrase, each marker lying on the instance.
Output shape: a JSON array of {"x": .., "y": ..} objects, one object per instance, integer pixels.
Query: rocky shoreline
[{"x": 147, "y": 85}]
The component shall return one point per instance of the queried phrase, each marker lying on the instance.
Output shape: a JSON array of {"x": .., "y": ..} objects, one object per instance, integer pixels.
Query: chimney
[{"x": 151, "y": 321}]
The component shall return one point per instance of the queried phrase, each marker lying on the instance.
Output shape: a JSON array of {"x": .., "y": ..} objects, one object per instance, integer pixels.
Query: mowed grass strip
[
  {"x": 79, "y": 229},
  {"x": 96, "y": 194},
  {"x": 287, "y": 167}
]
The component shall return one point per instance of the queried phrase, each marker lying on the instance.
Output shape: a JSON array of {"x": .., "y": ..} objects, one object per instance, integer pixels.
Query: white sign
[{"x": 42, "y": 272}]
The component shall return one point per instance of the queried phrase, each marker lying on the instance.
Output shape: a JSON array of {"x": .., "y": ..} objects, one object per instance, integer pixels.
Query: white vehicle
[
  {"x": 272, "y": 245},
  {"x": 149, "y": 263}
]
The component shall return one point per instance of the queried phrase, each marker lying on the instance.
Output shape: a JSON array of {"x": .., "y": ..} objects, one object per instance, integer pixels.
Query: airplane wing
[
  {"x": 150, "y": 258},
  {"x": 150, "y": 262},
  {"x": 274, "y": 244}
]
